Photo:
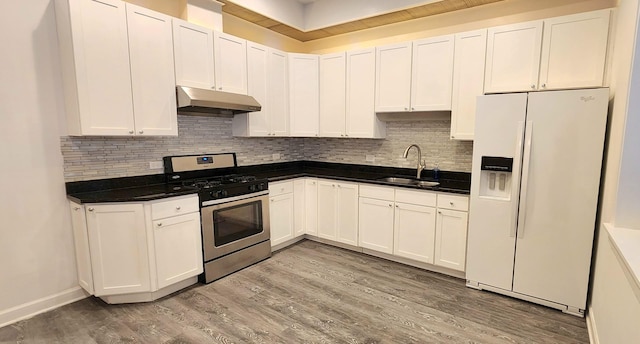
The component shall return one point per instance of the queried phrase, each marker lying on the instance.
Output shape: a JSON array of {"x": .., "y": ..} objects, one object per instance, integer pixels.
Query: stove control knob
[
  {"x": 223, "y": 193},
  {"x": 253, "y": 187},
  {"x": 261, "y": 186},
  {"x": 215, "y": 194}
]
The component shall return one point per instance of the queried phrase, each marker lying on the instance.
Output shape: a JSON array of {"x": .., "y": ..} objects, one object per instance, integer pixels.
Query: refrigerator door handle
[
  {"x": 525, "y": 180},
  {"x": 514, "y": 192}
]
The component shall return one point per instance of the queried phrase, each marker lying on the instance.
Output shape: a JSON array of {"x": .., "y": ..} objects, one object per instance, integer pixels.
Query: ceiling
[{"x": 432, "y": 8}]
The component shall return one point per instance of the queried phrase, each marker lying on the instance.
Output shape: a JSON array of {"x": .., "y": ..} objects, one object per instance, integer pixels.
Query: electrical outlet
[
  {"x": 155, "y": 165},
  {"x": 275, "y": 156},
  {"x": 370, "y": 158}
]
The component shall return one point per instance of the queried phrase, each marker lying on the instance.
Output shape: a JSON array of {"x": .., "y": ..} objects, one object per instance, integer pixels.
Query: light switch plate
[{"x": 155, "y": 165}]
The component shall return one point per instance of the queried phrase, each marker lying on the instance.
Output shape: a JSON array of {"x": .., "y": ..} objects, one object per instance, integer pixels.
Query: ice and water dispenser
[{"x": 495, "y": 179}]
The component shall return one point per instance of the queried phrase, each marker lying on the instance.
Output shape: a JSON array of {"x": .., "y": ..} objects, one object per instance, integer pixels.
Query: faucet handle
[{"x": 424, "y": 163}]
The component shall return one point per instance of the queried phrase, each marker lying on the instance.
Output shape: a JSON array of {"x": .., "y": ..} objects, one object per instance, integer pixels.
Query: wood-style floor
[{"x": 310, "y": 293}]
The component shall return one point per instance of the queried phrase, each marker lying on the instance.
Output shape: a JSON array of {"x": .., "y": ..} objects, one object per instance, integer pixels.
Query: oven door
[{"x": 235, "y": 224}]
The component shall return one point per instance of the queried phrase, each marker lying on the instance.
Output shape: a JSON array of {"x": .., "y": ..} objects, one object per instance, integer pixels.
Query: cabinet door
[
  {"x": 257, "y": 87},
  {"x": 361, "y": 119},
  {"x": 100, "y": 51},
  {"x": 278, "y": 92},
  {"x": 311, "y": 206},
  {"x": 178, "y": 248},
  {"x": 468, "y": 82},
  {"x": 81, "y": 243},
  {"x": 230, "y": 63},
  {"x": 375, "y": 228},
  {"x": 513, "y": 57},
  {"x": 152, "y": 76},
  {"x": 119, "y": 253},
  {"x": 304, "y": 107},
  {"x": 299, "y": 207},
  {"x": 193, "y": 55},
  {"x": 414, "y": 232},
  {"x": 281, "y": 214},
  {"x": 393, "y": 77},
  {"x": 327, "y": 210},
  {"x": 451, "y": 239},
  {"x": 332, "y": 95},
  {"x": 574, "y": 49},
  {"x": 347, "y": 213},
  {"x": 432, "y": 74}
]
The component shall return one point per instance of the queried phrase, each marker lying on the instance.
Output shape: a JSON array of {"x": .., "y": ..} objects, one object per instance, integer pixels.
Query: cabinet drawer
[
  {"x": 377, "y": 192},
  {"x": 416, "y": 197},
  {"x": 453, "y": 202},
  {"x": 280, "y": 188},
  {"x": 174, "y": 206}
]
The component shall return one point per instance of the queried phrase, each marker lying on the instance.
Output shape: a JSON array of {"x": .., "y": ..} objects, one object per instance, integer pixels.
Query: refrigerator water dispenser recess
[{"x": 495, "y": 179}]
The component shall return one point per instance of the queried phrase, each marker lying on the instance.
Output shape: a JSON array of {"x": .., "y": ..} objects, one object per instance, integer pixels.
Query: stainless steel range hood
[{"x": 201, "y": 102}]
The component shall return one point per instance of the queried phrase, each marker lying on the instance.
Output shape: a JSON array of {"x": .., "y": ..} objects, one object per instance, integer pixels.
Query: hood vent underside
[{"x": 201, "y": 102}]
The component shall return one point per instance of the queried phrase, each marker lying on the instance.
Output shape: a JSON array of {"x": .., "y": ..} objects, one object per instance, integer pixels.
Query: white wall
[
  {"x": 614, "y": 311},
  {"x": 37, "y": 260}
]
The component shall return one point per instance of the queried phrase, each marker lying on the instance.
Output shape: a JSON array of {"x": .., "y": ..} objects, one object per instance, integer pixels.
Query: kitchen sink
[{"x": 408, "y": 181}]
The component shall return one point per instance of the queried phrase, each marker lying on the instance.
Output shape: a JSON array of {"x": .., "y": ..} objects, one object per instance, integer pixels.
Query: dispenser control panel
[{"x": 496, "y": 177}]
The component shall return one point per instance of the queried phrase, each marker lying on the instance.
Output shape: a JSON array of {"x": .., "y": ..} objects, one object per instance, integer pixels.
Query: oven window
[{"x": 234, "y": 223}]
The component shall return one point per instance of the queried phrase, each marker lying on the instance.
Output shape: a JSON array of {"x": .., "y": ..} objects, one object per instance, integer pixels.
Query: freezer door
[
  {"x": 499, "y": 132},
  {"x": 555, "y": 232}
]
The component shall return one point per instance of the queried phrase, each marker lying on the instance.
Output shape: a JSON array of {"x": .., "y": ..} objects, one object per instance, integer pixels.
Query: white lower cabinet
[
  {"x": 451, "y": 239},
  {"x": 376, "y": 224},
  {"x": 134, "y": 248},
  {"x": 178, "y": 246},
  {"x": 414, "y": 232},
  {"x": 281, "y": 210},
  {"x": 338, "y": 211}
]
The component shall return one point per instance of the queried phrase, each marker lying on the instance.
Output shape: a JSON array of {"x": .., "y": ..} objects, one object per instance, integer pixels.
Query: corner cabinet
[
  {"x": 134, "y": 252},
  {"x": 117, "y": 68},
  {"x": 555, "y": 53},
  {"x": 304, "y": 95}
]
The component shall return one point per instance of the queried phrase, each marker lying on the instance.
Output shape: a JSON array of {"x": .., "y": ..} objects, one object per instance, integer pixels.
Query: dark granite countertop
[{"x": 152, "y": 187}]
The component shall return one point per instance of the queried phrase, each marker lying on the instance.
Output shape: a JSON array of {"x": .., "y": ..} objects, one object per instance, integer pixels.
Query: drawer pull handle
[
  {"x": 451, "y": 203},
  {"x": 390, "y": 205},
  {"x": 160, "y": 224},
  {"x": 178, "y": 208},
  {"x": 91, "y": 209}
]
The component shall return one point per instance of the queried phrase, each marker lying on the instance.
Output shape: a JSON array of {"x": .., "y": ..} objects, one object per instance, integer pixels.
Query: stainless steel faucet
[{"x": 420, "y": 166}]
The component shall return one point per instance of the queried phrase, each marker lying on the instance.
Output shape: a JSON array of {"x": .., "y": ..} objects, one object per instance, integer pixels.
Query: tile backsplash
[{"x": 87, "y": 158}]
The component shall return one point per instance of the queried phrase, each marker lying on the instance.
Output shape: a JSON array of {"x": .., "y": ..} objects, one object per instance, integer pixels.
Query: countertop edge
[{"x": 625, "y": 242}]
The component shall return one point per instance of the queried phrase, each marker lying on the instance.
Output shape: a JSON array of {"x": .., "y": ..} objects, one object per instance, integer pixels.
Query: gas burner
[
  {"x": 239, "y": 179},
  {"x": 204, "y": 184}
]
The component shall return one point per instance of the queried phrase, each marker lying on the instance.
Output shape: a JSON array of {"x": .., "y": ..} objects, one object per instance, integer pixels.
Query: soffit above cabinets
[{"x": 292, "y": 24}]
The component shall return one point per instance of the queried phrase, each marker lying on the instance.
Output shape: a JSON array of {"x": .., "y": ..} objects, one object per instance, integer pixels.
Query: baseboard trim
[
  {"x": 32, "y": 308},
  {"x": 591, "y": 327}
]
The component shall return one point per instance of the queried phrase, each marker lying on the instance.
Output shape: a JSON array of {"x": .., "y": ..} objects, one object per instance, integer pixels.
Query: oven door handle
[{"x": 236, "y": 198}]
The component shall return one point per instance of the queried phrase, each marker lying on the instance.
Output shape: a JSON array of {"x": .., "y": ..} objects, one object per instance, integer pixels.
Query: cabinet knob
[
  {"x": 451, "y": 203},
  {"x": 544, "y": 85},
  {"x": 405, "y": 109},
  {"x": 397, "y": 206},
  {"x": 533, "y": 87},
  {"x": 333, "y": 185},
  {"x": 131, "y": 131},
  {"x": 453, "y": 136},
  {"x": 90, "y": 209},
  {"x": 390, "y": 205},
  {"x": 76, "y": 208},
  {"x": 413, "y": 109},
  {"x": 141, "y": 132},
  {"x": 339, "y": 185},
  {"x": 439, "y": 212},
  {"x": 220, "y": 87},
  {"x": 178, "y": 208},
  {"x": 346, "y": 135},
  {"x": 160, "y": 224}
]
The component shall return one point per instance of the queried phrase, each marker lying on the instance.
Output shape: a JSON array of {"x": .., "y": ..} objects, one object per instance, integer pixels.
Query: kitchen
[{"x": 208, "y": 134}]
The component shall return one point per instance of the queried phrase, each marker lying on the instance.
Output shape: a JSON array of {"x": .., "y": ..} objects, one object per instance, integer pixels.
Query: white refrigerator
[{"x": 535, "y": 179}]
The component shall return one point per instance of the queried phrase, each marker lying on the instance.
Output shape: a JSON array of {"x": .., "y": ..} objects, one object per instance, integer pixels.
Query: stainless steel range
[{"x": 234, "y": 211}]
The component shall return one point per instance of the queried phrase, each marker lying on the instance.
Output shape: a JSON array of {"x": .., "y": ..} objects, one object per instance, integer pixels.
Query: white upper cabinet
[
  {"x": 267, "y": 83},
  {"x": 230, "y": 63},
  {"x": 555, "y": 53},
  {"x": 468, "y": 81},
  {"x": 432, "y": 74},
  {"x": 574, "y": 50},
  {"x": 118, "y": 69},
  {"x": 152, "y": 78},
  {"x": 361, "y": 119},
  {"x": 333, "y": 95},
  {"x": 193, "y": 52},
  {"x": 513, "y": 57},
  {"x": 94, "y": 50},
  {"x": 304, "y": 107},
  {"x": 393, "y": 78}
]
